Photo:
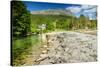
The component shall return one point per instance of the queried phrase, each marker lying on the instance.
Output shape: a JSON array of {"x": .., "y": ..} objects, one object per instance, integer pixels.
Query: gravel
[{"x": 70, "y": 47}]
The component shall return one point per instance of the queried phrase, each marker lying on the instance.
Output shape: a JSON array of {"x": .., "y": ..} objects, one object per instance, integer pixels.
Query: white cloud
[
  {"x": 87, "y": 6},
  {"x": 91, "y": 10},
  {"x": 74, "y": 9},
  {"x": 87, "y": 10}
]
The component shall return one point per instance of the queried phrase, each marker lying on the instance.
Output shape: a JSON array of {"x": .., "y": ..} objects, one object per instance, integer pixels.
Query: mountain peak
[{"x": 53, "y": 12}]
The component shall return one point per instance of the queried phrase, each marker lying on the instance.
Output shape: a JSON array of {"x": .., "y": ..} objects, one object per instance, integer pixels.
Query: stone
[
  {"x": 44, "y": 51},
  {"x": 45, "y": 46},
  {"x": 70, "y": 47}
]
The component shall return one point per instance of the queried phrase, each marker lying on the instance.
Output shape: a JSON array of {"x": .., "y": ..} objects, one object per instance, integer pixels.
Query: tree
[
  {"x": 20, "y": 18},
  {"x": 82, "y": 21}
]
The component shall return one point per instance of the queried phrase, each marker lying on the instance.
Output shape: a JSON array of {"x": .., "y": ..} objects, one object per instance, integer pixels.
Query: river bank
[
  {"x": 69, "y": 47},
  {"x": 62, "y": 47}
]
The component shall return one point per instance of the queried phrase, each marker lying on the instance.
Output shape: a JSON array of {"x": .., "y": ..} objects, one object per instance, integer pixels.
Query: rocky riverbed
[{"x": 69, "y": 47}]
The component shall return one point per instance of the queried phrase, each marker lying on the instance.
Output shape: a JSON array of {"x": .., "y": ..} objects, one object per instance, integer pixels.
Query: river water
[{"x": 22, "y": 46}]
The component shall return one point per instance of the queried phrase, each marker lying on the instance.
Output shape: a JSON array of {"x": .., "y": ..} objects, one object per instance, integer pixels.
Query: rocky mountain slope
[{"x": 53, "y": 12}]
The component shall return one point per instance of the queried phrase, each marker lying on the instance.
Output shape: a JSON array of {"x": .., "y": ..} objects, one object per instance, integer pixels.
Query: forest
[{"x": 61, "y": 22}]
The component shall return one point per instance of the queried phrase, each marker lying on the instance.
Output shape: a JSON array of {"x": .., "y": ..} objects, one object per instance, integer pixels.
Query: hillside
[
  {"x": 61, "y": 22},
  {"x": 53, "y": 12}
]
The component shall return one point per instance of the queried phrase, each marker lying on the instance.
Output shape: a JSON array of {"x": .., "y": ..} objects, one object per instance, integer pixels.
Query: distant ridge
[{"x": 53, "y": 12}]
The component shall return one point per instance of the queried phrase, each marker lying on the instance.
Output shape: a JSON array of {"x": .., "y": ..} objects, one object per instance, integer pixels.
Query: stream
[{"x": 22, "y": 47}]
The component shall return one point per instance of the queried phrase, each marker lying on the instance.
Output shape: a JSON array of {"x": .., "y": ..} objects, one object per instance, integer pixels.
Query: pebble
[{"x": 70, "y": 47}]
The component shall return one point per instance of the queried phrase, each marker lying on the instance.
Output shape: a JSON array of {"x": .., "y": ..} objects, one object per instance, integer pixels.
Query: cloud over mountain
[{"x": 87, "y": 10}]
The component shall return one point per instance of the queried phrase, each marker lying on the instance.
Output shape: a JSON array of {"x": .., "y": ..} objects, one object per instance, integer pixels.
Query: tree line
[{"x": 62, "y": 22}]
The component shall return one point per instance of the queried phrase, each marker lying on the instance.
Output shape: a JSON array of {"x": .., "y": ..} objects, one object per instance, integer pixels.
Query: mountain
[{"x": 53, "y": 12}]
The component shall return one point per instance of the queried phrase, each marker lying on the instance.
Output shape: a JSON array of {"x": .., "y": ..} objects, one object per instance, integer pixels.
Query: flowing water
[{"x": 22, "y": 47}]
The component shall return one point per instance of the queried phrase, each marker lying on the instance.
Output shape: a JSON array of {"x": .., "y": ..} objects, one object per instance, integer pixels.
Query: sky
[{"x": 77, "y": 9}]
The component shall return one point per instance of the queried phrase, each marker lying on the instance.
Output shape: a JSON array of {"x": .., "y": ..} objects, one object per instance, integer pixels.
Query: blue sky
[
  {"x": 77, "y": 10},
  {"x": 34, "y": 6}
]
